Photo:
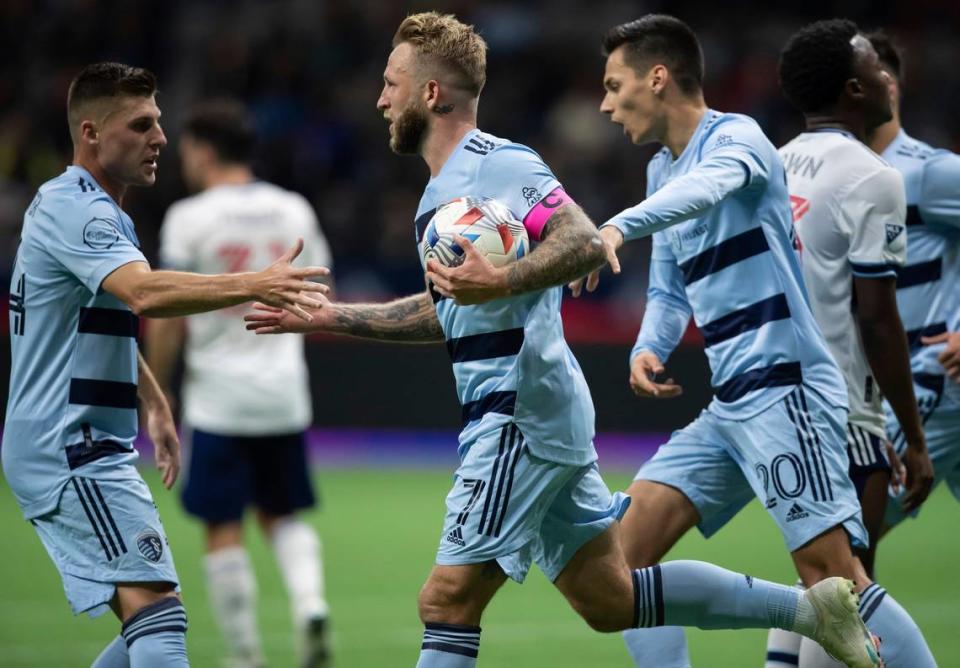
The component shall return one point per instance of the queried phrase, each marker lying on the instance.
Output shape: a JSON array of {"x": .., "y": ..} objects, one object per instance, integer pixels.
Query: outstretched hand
[
  {"x": 286, "y": 287},
  {"x": 474, "y": 281},
  {"x": 612, "y": 240},
  {"x": 267, "y": 319}
]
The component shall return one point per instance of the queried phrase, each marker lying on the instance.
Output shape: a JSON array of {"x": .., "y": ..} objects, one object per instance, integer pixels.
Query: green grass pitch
[{"x": 380, "y": 529}]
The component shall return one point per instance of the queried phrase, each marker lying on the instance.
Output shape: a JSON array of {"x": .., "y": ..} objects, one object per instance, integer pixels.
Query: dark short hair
[
  {"x": 891, "y": 55},
  {"x": 225, "y": 125},
  {"x": 105, "y": 80},
  {"x": 816, "y": 64},
  {"x": 660, "y": 39}
]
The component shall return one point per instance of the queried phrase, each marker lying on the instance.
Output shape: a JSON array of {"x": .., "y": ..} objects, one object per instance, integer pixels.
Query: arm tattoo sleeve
[
  {"x": 409, "y": 320},
  {"x": 570, "y": 249}
]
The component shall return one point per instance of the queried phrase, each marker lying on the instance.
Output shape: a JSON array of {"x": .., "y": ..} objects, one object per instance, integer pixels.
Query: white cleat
[{"x": 840, "y": 630}]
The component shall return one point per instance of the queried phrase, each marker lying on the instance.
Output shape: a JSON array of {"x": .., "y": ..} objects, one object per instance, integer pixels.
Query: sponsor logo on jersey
[
  {"x": 456, "y": 537},
  {"x": 796, "y": 512},
  {"x": 150, "y": 545}
]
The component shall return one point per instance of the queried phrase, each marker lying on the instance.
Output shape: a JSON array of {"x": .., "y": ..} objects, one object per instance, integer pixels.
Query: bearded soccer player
[
  {"x": 723, "y": 254},
  {"x": 848, "y": 210},
  {"x": 79, "y": 284},
  {"x": 528, "y": 487}
]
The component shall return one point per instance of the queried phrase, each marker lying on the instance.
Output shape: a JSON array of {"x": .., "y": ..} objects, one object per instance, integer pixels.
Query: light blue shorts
[
  {"x": 792, "y": 456},
  {"x": 105, "y": 532},
  {"x": 938, "y": 399},
  {"x": 513, "y": 507}
]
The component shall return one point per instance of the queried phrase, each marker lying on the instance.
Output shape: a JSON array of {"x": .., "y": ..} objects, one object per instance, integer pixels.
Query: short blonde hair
[{"x": 441, "y": 40}]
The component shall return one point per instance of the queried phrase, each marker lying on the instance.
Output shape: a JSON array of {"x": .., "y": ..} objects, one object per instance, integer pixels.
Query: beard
[{"x": 409, "y": 128}]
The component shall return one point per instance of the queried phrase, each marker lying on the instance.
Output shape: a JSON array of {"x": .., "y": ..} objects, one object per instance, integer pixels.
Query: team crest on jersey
[
  {"x": 893, "y": 231},
  {"x": 531, "y": 195},
  {"x": 150, "y": 545}
]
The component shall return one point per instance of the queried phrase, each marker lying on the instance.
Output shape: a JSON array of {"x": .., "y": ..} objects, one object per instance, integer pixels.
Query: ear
[
  {"x": 89, "y": 134},
  {"x": 658, "y": 77},
  {"x": 431, "y": 94},
  {"x": 853, "y": 88}
]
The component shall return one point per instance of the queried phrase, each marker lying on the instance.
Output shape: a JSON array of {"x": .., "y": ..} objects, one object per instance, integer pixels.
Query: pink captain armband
[{"x": 538, "y": 215}]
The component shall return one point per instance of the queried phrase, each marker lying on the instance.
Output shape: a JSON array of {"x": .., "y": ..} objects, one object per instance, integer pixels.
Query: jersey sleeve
[
  {"x": 88, "y": 240},
  {"x": 176, "y": 249},
  {"x": 742, "y": 143},
  {"x": 518, "y": 177},
  {"x": 875, "y": 211},
  {"x": 940, "y": 189},
  {"x": 667, "y": 312}
]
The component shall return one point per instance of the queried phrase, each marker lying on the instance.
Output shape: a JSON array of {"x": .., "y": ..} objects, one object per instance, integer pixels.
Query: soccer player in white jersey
[
  {"x": 848, "y": 211},
  {"x": 528, "y": 488},
  {"x": 79, "y": 284},
  {"x": 246, "y": 400},
  {"x": 927, "y": 291},
  {"x": 723, "y": 254}
]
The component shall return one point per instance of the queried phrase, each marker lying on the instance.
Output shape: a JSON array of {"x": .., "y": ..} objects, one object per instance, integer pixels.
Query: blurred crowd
[{"x": 311, "y": 71}]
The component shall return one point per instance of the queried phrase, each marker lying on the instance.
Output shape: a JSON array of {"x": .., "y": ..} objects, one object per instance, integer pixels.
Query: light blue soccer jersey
[
  {"x": 510, "y": 359},
  {"x": 928, "y": 287},
  {"x": 72, "y": 408},
  {"x": 728, "y": 260}
]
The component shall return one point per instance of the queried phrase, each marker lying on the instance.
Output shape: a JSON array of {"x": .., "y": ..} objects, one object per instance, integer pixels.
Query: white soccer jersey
[
  {"x": 236, "y": 383},
  {"x": 849, "y": 210}
]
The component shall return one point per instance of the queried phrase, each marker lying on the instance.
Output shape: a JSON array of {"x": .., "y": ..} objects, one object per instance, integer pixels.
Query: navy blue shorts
[{"x": 229, "y": 473}]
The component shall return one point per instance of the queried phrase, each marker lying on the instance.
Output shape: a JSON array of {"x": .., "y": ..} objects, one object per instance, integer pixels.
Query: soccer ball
[{"x": 486, "y": 223}]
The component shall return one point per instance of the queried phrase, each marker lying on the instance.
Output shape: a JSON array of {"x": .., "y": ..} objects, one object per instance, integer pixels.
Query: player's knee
[
  {"x": 446, "y": 601},
  {"x": 603, "y": 618}
]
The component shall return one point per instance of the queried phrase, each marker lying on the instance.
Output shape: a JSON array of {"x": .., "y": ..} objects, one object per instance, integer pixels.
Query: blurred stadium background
[{"x": 384, "y": 442}]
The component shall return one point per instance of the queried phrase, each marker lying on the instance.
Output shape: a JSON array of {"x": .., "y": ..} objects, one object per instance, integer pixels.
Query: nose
[
  {"x": 161, "y": 139},
  {"x": 606, "y": 107},
  {"x": 382, "y": 102}
]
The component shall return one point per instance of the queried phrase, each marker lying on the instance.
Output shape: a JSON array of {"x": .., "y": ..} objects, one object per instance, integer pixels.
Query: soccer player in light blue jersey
[
  {"x": 927, "y": 287},
  {"x": 528, "y": 488},
  {"x": 724, "y": 254},
  {"x": 79, "y": 284}
]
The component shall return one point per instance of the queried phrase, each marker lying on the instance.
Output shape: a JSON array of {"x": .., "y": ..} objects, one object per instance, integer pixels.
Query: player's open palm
[
  {"x": 166, "y": 443},
  {"x": 644, "y": 370},
  {"x": 267, "y": 319},
  {"x": 284, "y": 286}
]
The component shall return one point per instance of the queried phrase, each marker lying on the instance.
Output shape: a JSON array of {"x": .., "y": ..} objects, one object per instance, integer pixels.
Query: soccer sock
[
  {"x": 449, "y": 646},
  {"x": 695, "y": 593},
  {"x": 661, "y": 647},
  {"x": 156, "y": 635},
  {"x": 902, "y": 643},
  {"x": 233, "y": 600},
  {"x": 783, "y": 649},
  {"x": 297, "y": 547},
  {"x": 114, "y": 655}
]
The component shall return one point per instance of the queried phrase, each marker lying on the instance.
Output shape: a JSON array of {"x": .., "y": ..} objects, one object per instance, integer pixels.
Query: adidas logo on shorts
[
  {"x": 796, "y": 513},
  {"x": 456, "y": 537}
]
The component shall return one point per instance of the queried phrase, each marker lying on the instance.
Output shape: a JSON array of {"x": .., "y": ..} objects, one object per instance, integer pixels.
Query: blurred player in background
[
  {"x": 246, "y": 400},
  {"x": 79, "y": 284},
  {"x": 928, "y": 287},
  {"x": 848, "y": 210},
  {"x": 776, "y": 428},
  {"x": 528, "y": 487}
]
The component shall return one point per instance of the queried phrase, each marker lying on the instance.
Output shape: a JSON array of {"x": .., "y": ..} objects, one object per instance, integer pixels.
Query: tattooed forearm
[
  {"x": 570, "y": 248},
  {"x": 411, "y": 320}
]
